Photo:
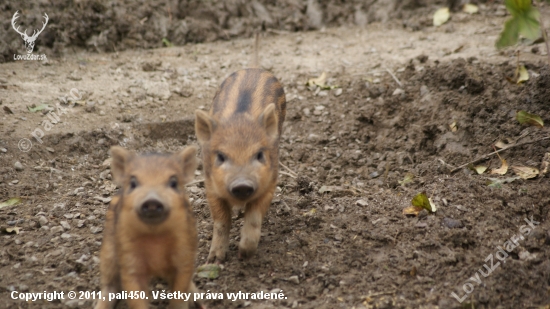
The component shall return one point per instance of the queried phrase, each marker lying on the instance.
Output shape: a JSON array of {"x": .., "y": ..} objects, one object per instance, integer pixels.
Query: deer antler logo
[{"x": 29, "y": 40}]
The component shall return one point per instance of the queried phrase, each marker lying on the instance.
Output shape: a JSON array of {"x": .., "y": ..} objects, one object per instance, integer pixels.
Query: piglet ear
[
  {"x": 188, "y": 160},
  {"x": 268, "y": 119},
  {"x": 121, "y": 157},
  {"x": 204, "y": 126}
]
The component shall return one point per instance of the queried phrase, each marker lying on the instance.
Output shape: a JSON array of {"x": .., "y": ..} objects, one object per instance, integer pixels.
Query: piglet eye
[
  {"x": 220, "y": 157},
  {"x": 173, "y": 183},
  {"x": 260, "y": 156},
  {"x": 133, "y": 183}
]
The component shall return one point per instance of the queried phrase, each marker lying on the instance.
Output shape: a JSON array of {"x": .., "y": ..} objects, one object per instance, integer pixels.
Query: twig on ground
[
  {"x": 395, "y": 78},
  {"x": 287, "y": 174},
  {"x": 288, "y": 169},
  {"x": 496, "y": 152},
  {"x": 446, "y": 164}
]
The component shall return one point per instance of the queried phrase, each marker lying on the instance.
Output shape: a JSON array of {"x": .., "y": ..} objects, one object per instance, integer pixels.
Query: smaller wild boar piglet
[{"x": 150, "y": 231}]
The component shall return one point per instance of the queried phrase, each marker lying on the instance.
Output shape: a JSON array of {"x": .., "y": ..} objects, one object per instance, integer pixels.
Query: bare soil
[{"x": 349, "y": 246}]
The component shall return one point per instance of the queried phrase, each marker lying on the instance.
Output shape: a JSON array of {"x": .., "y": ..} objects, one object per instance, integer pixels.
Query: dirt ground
[{"x": 336, "y": 236}]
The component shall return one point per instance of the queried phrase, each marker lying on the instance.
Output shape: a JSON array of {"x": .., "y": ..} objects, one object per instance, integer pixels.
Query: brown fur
[
  {"x": 246, "y": 118},
  {"x": 135, "y": 250}
]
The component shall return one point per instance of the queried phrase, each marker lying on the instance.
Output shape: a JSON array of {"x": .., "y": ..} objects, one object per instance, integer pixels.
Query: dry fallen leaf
[
  {"x": 525, "y": 172},
  {"x": 470, "y": 8},
  {"x": 441, "y": 16},
  {"x": 12, "y": 201},
  {"x": 407, "y": 179},
  {"x": 522, "y": 74},
  {"x": 453, "y": 127},
  {"x": 479, "y": 169},
  {"x": 433, "y": 206},
  {"x": 524, "y": 117},
  {"x": 11, "y": 230},
  {"x": 319, "y": 81},
  {"x": 412, "y": 211},
  {"x": 501, "y": 144},
  {"x": 502, "y": 169}
]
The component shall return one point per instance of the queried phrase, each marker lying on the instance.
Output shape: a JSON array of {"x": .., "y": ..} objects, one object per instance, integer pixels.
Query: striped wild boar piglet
[{"x": 239, "y": 137}]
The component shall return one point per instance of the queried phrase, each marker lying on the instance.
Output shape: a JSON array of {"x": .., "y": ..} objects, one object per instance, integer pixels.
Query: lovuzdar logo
[{"x": 29, "y": 40}]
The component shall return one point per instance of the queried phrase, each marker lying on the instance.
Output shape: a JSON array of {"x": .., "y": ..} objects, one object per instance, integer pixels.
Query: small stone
[
  {"x": 50, "y": 149},
  {"x": 56, "y": 229},
  {"x": 42, "y": 220},
  {"x": 18, "y": 166},
  {"x": 56, "y": 253},
  {"x": 104, "y": 200},
  {"x": 424, "y": 90},
  {"x": 80, "y": 223},
  {"x": 83, "y": 259},
  {"x": 66, "y": 236},
  {"x": 96, "y": 229},
  {"x": 374, "y": 175},
  {"x": 23, "y": 287},
  {"x": 398, "y": 91},
  {"x": 338, "y": 92},
  {"x": 72, "y": 303},
  {"x": 452, "y": 223},
  {"x": 65, "y": 225},
  {"x": 14, "y": 182},
  {"x": 361, "y": 203},
  {"x": 294, "y": 279},
  {"x": 4, "y": 150},
  {"x": 313, "y": 137}
]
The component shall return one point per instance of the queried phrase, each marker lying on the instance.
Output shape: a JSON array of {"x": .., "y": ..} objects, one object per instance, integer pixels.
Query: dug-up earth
[{"x": 335, "y": 236}]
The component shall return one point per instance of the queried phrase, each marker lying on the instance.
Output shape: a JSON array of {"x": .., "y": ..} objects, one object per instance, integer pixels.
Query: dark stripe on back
[{"x": 245, "y": 100}]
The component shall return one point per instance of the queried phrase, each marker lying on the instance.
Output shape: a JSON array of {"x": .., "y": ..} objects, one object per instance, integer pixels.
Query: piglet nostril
[
  {"x": 242, "y": 189},
  {"x": 152, "y": 211}
]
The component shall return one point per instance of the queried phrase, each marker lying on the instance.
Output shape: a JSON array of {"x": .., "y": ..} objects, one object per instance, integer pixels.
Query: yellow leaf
[
  {"x": 524, "y": 117},
  {"x": 502, "y": 169},
  {"x": 421, "y": 200},
  {"x": 311, "y": 212},
  {"x": 525, "y": 172},
  {"x": 522, "y": 74},
  {"x": 470, "y": 8},
  {"x": 441, "y": 16}
]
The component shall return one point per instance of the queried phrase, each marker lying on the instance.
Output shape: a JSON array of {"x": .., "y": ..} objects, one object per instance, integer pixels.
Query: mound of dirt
[{"x": 102, "y": 25}]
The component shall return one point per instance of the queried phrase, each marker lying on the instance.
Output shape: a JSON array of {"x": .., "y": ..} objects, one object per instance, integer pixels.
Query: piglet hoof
[
  {"x": 213, "y": 259},
  {"x": 245, "y": 254}
]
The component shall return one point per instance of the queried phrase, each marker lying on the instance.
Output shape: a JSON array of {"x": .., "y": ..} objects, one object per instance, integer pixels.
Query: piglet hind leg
[
  {"x": 221, "y": 214},
  {"x": 250, "y": 234}
]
